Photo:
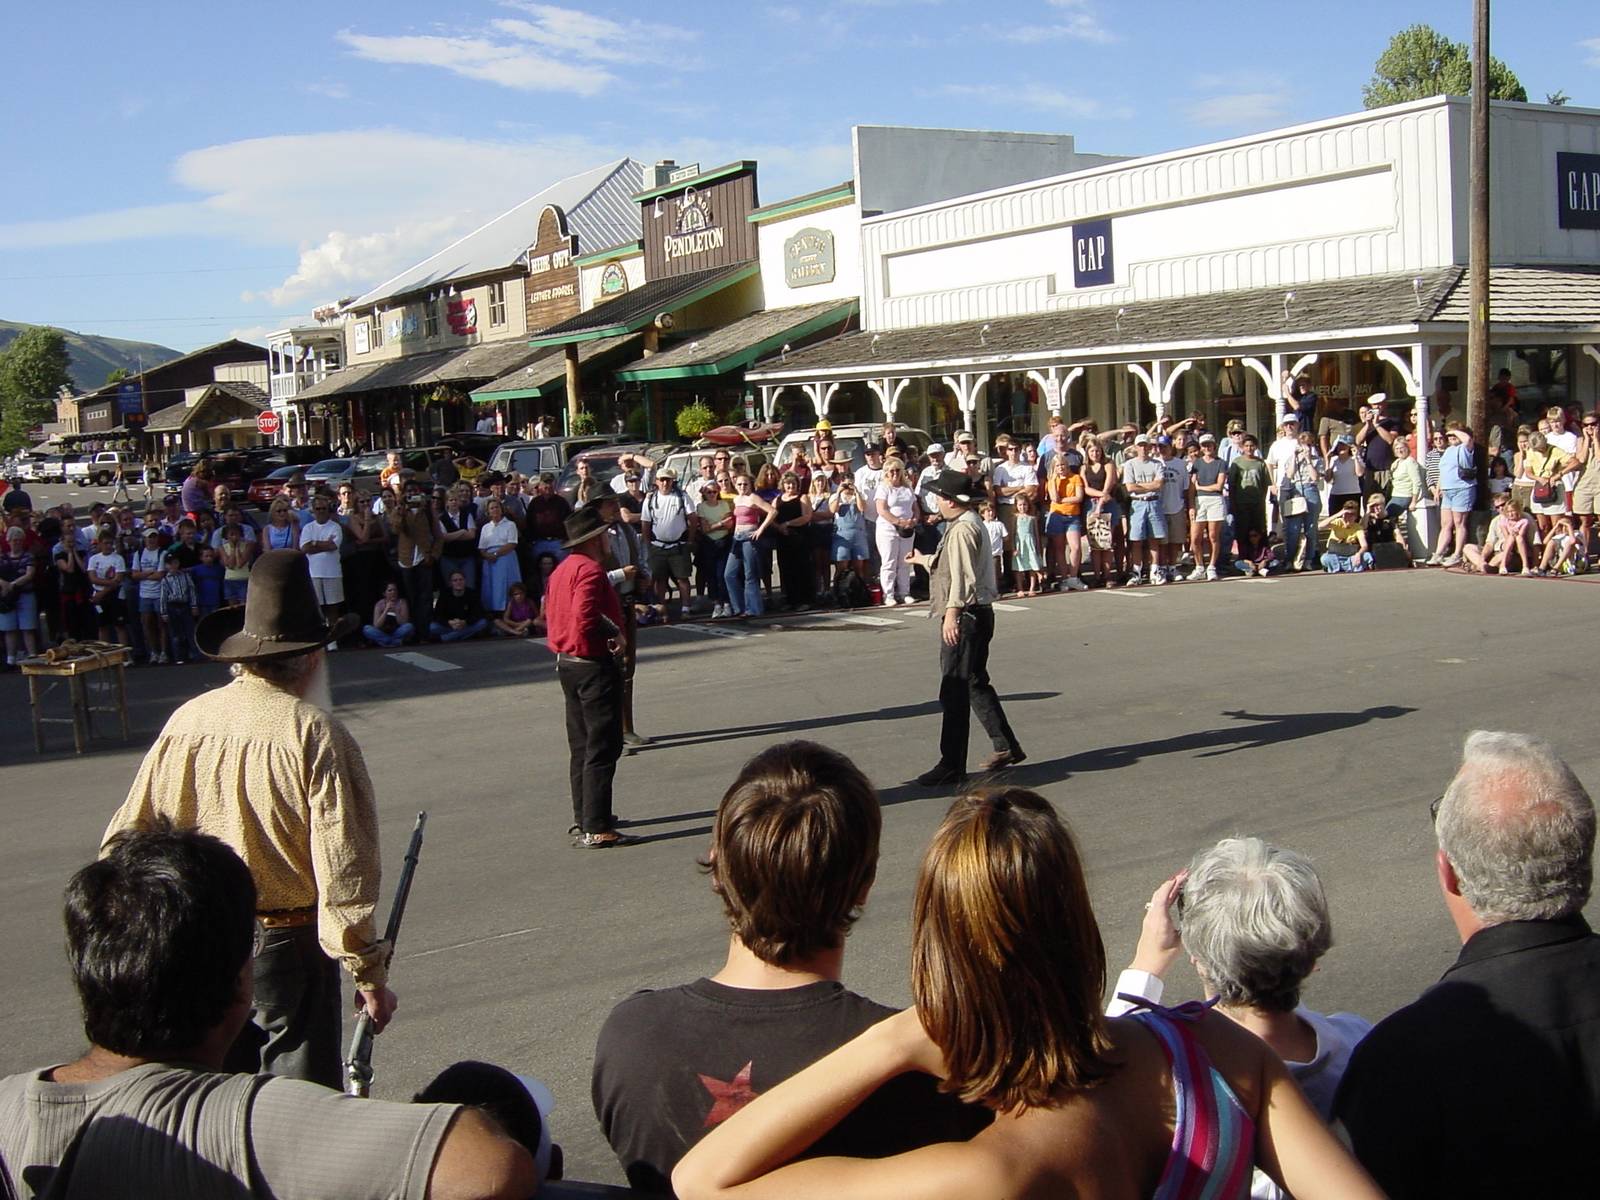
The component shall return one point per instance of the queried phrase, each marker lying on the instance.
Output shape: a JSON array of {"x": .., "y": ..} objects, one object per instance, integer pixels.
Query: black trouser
[
  {"x": 593, "y": 690},
  {"x": 417, "y": 583},
  {"x": 295, "y": 1021},
  {"x": 964, "y": 689}
]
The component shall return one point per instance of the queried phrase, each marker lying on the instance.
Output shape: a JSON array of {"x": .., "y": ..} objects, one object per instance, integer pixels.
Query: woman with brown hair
[{"x": 1008, "y": 971}]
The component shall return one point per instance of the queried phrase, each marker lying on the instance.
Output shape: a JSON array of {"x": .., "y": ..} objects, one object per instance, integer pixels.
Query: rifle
[{"x": 358, "y": 1062}]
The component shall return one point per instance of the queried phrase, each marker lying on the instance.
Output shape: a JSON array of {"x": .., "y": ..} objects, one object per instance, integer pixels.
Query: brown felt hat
[
  {"x": 280, "y": 618},
  {"x": 585, "y": 524}
]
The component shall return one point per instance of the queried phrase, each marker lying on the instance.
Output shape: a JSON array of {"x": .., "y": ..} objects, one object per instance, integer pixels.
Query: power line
[{"x": 173, "y": 271}]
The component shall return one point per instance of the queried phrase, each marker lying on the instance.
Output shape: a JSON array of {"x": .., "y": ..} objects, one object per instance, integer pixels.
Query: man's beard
[{"x": 319, "y": 688}]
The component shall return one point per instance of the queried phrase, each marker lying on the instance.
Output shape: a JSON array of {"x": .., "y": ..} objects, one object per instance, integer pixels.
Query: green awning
[{"x": 737, "y": 345}]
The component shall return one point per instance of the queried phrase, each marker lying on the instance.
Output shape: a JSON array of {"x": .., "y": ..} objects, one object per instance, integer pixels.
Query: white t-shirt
[
  {"x": 1017, "y": 474},
  {"x": 1337, "y": 1037},
  {"x": 867, "y": 481},
  {"x": 494, "y": 534},
  {"x": 1568, "y": 444},
  {"x": 997, "y": 537},
  {"x": 149, "y": 560},
  {"x": 668, "y": 516},
  {"x": 103, "y": 568},
  {"x": 1280, "y": 457},
  {"x": 324, "y": 563},
  {"x": 1174, "y": 485}
]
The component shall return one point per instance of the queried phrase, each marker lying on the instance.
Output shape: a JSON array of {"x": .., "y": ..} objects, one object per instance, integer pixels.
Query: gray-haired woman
[{"x": 1253, "y": 919}]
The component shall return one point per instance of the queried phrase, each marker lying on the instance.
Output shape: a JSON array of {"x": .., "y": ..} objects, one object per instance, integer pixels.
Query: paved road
[{"x": 1322, "y": 712}]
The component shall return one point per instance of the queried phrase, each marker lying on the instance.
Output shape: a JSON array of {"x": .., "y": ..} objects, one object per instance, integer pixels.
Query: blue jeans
[
  {"x": 180, "y": 634},
  {"x": 387, "y": 640},
  {"x": 714, "y": 559},
  {"x": 445, "y": 634},
  {"x": 742, "y": 576}
]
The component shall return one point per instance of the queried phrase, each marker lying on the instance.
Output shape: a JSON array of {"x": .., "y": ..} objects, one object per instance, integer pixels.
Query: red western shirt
[{"x": 576, "y": 599}]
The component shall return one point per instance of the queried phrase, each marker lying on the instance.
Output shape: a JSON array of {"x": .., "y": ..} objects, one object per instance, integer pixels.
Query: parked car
[
  {"x": 367, "y": 468},
  {"x": 261, "y": 491},
  {"x": 478, "y": 445},
  {"x": 687, "y": 462},
  {"x": 852, "y": 440},
  {"x": 330, "y": 471},
  {"x": 605, "y": 463},
  {"x": 101, "y": 468},
  {"x": 28, "y": 467},
  {"x": 53, "y": 467},
  {"x": 545, "y": 454},
  {"x": 179, "y": 466}
]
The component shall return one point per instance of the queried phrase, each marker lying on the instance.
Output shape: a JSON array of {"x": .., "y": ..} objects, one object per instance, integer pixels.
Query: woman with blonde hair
[{"x": 1007, "y": 970}]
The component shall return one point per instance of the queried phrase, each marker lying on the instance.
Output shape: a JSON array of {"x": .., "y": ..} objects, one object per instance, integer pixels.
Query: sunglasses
[{"x": 1433, "y": 809}]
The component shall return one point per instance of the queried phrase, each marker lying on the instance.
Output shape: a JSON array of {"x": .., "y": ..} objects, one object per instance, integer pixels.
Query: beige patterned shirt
[{"x": 285, "y": 785}]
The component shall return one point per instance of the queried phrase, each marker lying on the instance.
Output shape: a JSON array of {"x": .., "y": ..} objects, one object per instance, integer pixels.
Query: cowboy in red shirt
[{"x": 584, "y": 619}]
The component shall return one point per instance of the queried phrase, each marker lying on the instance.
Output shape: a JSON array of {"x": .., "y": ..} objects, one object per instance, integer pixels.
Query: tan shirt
[
  {"x": 962, "y": 573},
  {"x": 285, "y": 785}
]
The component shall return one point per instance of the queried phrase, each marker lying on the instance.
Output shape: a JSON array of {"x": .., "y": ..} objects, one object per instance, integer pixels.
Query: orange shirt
[{"x": 1066, "y": 495}]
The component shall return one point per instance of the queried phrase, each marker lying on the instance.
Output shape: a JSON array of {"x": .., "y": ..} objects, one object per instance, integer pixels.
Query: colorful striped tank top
[{"x": 1214, "y": 1137}]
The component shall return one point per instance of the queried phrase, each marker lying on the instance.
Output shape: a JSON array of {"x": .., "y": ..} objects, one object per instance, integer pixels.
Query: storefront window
[{"x": 1539, "y": 373}]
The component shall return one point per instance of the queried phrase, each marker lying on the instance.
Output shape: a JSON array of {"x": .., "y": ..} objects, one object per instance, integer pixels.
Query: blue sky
[{"x": 181, "y": 172}]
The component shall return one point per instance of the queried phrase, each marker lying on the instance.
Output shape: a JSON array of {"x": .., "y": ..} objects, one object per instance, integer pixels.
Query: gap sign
[
  {"x": 1092, "y": 262},
  {"x": 1578, "y": 185}
]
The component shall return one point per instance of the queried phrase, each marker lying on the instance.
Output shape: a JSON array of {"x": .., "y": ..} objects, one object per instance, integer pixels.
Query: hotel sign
[
  {"x": 1092, "y": 261},
  {"x": 1578, "y": 185},
  {"x": 808, "y": 258}
]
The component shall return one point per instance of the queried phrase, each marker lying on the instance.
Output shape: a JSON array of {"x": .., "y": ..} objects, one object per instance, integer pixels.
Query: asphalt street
[{"x": 1323, "y": 713}]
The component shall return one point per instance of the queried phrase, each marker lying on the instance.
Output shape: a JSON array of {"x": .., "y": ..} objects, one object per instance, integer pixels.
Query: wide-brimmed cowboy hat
[
  {"x": 584, "y": 525},
  {"x": 280, "y": 618},
  {"x": 956, "y": 486}
]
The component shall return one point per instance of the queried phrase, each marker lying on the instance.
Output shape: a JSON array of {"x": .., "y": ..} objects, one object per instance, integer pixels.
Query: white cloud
[
  {"x": 328, "y": 91},
  {"x": 1262, "y": 109},
  {"x": 1078, "y": 21},
  {"x": 505, "y": 64},
  {"x": 1039, "y": 96},
  {"x": 547, "y": 49},
  {"x": 1592, "y": 45}
]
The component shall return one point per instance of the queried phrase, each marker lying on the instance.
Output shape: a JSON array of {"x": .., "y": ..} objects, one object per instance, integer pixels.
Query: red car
[{"x": 261, "y": 491}]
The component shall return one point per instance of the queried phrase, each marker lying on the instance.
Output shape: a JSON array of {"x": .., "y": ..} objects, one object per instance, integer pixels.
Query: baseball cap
[
  {"x": 152, "y": 532},
  {"x": 1142, "y": 440},
  {"x": 666, "y": 473},
  {"x": 966, "y": 435},
  {"x": 874, "y": 447},
  {"x": 935, "y": 448},
  {"x": 1208, "y": 437},
  {"x": 1163, "y": 440},
  {"x": 1289, "y": 418},
  {"x": 1235, "y": 426}
]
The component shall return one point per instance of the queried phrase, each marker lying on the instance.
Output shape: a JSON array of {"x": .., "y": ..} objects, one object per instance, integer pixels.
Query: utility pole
[{"x": 1478, "y": 231}]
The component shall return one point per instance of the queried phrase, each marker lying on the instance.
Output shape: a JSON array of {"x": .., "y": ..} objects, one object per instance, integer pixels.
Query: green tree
[
  {"x": 1557, "y": 98},
  {"x": 116, "y": 375},
  {"x": 1420, "y": 62},
  {"x": 32, "y": 369}
]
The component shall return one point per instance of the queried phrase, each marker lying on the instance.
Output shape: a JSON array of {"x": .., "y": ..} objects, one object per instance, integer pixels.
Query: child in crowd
[
  {"x": 208, "y": 575},
  {"x": 997, "y": 540},
  {"x": 1257, "y": 556},
  {"x": 1025, "y": 558},
  {"x": 518, "y": 617},
  {"x": 1560, "y": 550},
  {"x": 107, "y": 572},
  {"x": 236, "y": 555},
  {"x": 179, "y": 607},
  {"x": 187, "y": 545}
]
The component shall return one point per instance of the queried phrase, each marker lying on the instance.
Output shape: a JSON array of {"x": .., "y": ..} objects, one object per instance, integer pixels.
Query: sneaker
[
  {"x": 1196, "y": 575},
  {"x": 1158, "y": 578},
  {"x": 332, "y": 646},
  {"x": 1074, "y": 584},
  {"x": 1135, "y": 579},
  {"x": 602, "y": 841},
  {"x": 1451, "y": 561},
  {"x": 1211, "y": 574},
  {"x": 1435, "y": 560}
]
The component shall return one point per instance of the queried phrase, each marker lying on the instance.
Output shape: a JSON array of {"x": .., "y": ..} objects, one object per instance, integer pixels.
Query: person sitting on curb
[
  {"x": 457, "y": 614},
  {"x": 1347, "y": 541},
  {"x": 162, "y": 935}
]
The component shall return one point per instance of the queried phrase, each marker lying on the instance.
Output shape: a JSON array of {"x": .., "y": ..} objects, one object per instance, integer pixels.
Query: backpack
[{"x": 850, "y": 592}]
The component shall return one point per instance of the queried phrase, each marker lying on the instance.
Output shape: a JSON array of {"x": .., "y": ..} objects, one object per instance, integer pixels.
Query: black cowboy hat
[
  {"x": 956, "y": 486},
  {"x": 584, "y": 525},
  {"x": 280, "y": 618}
]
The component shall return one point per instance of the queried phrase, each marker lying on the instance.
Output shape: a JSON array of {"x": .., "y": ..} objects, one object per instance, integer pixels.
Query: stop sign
[{"x": 268, "y": 423}]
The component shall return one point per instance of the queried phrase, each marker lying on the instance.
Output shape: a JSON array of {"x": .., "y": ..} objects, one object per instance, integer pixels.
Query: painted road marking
[
  {"x": 424, "y": 662},
  {"x": 715, "y": 631},
  {"x": 863, "y": 619},
  {"x": 1009, "y": 607}
]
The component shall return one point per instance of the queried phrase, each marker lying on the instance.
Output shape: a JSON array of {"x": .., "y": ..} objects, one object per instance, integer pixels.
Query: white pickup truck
[{"x": 99, "y": 468}]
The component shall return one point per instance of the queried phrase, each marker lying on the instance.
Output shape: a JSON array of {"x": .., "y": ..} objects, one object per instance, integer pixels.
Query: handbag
[
  {"x": 1544, "y": 492},
  {"x": 1099, "y": 526}
]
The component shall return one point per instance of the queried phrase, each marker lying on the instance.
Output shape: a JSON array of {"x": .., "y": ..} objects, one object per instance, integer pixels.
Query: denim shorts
[
  {"x": 1458, "y": 500},
  {"x": 23, "y": 615},
  {"x": 1057, "y": 524},
  {"x": 1147, "y": 523},
  {"x": 851, "y": 548},
  {"x": 150, "y": 604}
]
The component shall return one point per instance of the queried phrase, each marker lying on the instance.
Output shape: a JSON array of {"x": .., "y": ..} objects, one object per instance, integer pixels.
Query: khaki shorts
[
  {"x": 329, "y": 591},
  {"x": 1586, "y": 500},
  {"x": 1177, "y": 529}
]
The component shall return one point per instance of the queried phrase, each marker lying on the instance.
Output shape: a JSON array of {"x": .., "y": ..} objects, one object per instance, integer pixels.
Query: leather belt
[
  {"x": 287, "y": 918},
  {"x": 564, "y": 657}
]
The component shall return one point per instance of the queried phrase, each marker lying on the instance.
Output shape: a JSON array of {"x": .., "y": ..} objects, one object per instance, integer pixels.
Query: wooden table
[{"x": 78, "y": 673}]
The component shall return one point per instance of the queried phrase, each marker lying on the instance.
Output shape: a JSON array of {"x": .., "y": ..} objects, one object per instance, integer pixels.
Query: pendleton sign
[
  {"x": 699, "y": 223},
  {"x": 551, "y": 290}
]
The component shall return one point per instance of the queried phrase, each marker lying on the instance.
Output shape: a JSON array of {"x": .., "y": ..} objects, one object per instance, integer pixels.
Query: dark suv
[{"x": 546, "y": 454}]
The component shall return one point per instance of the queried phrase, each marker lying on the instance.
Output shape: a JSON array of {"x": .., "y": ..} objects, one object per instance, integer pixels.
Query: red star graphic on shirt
[{"x": 728, "y": 1098}]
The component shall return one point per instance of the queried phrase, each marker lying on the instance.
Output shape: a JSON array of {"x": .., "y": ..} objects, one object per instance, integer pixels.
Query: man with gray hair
[{"x": 1489, "y": 1084}]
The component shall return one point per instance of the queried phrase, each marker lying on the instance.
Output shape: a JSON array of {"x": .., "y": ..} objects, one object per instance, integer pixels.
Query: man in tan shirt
[
  {"x": 961, "y": 595},
  {"x": 262, "y": 765}
]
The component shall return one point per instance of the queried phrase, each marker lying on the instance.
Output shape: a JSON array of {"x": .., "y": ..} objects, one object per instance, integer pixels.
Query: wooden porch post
[{"x": 570, "y": 351}]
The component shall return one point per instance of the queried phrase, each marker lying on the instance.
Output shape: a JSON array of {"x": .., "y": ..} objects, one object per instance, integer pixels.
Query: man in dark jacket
[{"x": 1489, "y": 1084}]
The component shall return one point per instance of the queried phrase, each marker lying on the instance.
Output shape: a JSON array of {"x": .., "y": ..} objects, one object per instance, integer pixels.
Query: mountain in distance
[{"x": 92, "y": 358}]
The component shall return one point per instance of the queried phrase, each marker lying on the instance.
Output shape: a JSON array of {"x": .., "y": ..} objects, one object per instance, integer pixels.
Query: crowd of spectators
[{"x": 1016, "y": 1071}]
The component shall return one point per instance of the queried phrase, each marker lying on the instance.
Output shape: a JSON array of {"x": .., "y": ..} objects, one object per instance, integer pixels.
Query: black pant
[
  {"x": 594, "y": 737},
  {"x": 964, "y": 689},
  {"x": 295, "y": 1021},
  {"x": 417, "y": 583}
]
